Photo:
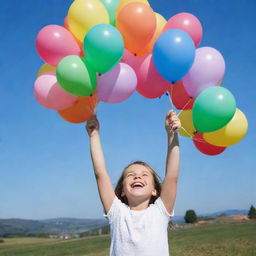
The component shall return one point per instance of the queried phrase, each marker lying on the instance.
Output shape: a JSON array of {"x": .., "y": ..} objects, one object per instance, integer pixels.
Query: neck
[{"x": 138, "y": 205}]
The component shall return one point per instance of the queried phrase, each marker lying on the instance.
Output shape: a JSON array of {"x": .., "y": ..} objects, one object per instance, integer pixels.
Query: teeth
[{"x": 137, "y": 183}]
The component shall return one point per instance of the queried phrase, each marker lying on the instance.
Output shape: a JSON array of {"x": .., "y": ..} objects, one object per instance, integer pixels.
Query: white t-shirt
[{"x": 142, "y": 233}]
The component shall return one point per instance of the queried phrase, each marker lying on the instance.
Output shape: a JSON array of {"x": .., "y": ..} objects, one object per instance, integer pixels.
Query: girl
[{"x": 138, "y": 209}]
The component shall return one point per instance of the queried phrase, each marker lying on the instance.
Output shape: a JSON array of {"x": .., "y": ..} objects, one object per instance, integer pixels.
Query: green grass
[{"x": 237, "y": 239}]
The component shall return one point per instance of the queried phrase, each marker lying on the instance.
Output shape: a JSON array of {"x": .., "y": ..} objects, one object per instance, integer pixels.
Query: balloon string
[
  {"x": 172, "y": 106},
  {"x": 191, "y": 136},
  {"x": 184, "y": 106}
]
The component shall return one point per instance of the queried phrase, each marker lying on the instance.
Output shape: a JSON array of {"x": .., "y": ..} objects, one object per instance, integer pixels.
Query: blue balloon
[{"x": 173, "y": 54}]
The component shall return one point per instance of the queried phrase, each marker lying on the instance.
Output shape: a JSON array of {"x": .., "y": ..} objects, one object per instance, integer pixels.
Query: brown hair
[{"x": 157, "y": 183}]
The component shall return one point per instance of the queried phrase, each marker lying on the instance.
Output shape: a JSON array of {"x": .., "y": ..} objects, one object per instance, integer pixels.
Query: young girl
[{"x": 139, "y": 208}]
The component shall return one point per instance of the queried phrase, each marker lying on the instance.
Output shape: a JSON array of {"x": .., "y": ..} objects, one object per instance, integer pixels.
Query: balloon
[
  {"x": 84, "y": 14},
  {"x": 160, "y": 23},
  {"x": 103, "y": 47},
  {"x": 188, "y": 23},
  {"x": 46, "y": 68},
  {"x": 213, "y": 109},
  {"x": 150, "y": 83},
  {"x": 188, "y": 128},
  {"x": 81, "y": 111},
  {"x": 207, "y": 70},
  {"x": 137, "y": 24},
  {"x": 205, "y": 147},
  {"x": 66, "y": 26},
  {"x": 117, "y": 85},
  {"x": 180, "y": 97},
  {"x": 173, "y": 54},
  {"x": 76, "y": 76},
  {"x": 123, "y": 3},
  {"x": 111, "y": 6},
  {"x": 54, "y": 43},
  {"x": 129, "y": 58},
  {"x": 50, "y": 95},
  {"x": 231, "y": 134}
]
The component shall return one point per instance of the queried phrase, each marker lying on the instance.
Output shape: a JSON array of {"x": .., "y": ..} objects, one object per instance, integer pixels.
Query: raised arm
[
  {"x": 169, "y": 187},
  {"x": 105, "y": 188}
]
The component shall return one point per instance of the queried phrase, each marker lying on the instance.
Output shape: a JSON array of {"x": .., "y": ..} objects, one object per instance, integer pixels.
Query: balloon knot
[
  {"x": 166, "y": 93},
  {"x": 91, "y": 95},
  {"x": 195, "y": 132},
  {"x": 135, "y": 54},
  {"x": 100, "y": 74},
  {"x": 173, "y": 82},
  {"x": 191, "y": 97}
]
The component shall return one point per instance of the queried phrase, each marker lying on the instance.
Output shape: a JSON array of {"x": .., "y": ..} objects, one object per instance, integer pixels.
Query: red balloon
[
  {"x": 204, "y": 147},
  {"x": 188, "y": 23},
  {"x": 180, "y": 97}
]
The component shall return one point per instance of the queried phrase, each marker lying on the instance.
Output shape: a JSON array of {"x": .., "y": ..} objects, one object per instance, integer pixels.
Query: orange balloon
[
  {"x": 66, "y": 26},
  {"x": 137, "y": 24},
  {"x": 81, "y": 111},
  {"x": 160, "y": 23}
]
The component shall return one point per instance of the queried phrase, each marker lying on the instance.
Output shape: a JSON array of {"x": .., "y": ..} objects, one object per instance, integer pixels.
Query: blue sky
[{"x": 45, "y": 165}]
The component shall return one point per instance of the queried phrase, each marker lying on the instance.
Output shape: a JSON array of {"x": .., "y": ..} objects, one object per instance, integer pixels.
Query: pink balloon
[
  {"x": 49, "y": 94},
  {"x": 54, "y": 42},
  {"x": 117, "y": 85},
  {"x": 150, "y": 83},
  {"x": 207, "y": 70},
  {"x": 129, "y": 58},
  {"x": 188, "y": 23}
]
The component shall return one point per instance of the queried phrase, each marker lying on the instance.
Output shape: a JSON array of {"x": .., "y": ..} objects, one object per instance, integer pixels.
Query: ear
[
  {"x": 122, "y": 194},
  {"x": 154, "y": 192}
]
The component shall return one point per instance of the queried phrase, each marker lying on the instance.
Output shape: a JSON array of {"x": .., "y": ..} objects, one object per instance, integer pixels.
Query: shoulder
[
  {"x": 161, "y": 207},
  {"x": 116, "y": 208}
]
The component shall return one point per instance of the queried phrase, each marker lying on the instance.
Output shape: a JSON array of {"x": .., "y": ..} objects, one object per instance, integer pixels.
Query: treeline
[{"x": 191, "y": 216}]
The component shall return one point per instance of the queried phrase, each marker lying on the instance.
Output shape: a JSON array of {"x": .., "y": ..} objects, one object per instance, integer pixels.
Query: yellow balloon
[
  {"x": 231, "y": 134},
  {"x": 187, "y": 125},
  {"x": 122, "y": 3},
  {"x": 84, "y": 14},
  {"x": 160, "y": 23},
  {"x": 45, "y": 68}
]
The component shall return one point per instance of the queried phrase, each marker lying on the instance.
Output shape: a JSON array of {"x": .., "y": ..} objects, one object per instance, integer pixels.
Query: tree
[
  {"x": 252, "y": 213},
  {"x": 190, "y": 216}
]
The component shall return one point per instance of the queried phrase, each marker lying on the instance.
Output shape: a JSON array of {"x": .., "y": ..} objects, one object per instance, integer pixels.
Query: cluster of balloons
[{"x": 108, "y": 49}]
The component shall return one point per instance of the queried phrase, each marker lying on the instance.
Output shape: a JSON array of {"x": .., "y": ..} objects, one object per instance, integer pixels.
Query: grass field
[{"x": 237, "y": 239}]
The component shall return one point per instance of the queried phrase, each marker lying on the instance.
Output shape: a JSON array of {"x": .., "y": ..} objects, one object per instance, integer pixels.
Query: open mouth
[{"x": 137, "y": 185}]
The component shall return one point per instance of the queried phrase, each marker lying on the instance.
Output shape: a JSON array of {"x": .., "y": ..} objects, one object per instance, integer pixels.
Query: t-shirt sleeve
[
  {"x": 114, "y": 210},
  {"x": 160, "y": 204}
]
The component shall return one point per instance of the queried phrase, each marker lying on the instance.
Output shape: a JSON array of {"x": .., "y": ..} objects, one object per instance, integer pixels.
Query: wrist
[
  {"x": 95, "y": 133},
  {"x": 172, "y": 137}
]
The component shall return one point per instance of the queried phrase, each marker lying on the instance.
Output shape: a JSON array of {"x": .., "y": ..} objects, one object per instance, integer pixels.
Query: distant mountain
[
  {"x": 180, "y": 219},
  {"x": 226, "y": 212},
  {"x": 57, "y": 225}
]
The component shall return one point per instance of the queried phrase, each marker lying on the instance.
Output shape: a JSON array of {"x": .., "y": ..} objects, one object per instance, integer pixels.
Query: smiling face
[{"x": 138, "y": 182}]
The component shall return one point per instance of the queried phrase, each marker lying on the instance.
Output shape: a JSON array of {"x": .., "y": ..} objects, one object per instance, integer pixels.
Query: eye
[
  {"x": 129, "y": 175},
  {"x": 145, "y": 174}
]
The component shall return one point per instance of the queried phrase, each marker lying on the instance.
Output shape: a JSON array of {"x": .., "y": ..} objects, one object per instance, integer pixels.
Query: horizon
[{"x": 45, "y": 164}]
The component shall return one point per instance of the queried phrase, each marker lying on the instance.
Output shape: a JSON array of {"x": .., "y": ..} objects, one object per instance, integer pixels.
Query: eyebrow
[{"x": 133, "y": 172}]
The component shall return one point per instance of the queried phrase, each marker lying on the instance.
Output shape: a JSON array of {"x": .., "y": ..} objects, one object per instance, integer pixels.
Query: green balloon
[
  {"x": 103, "y": 47},
  {"x": 76, "y": 76},
  {"x": 213, "y": 109},
  {"x": 111, "y": 6}
]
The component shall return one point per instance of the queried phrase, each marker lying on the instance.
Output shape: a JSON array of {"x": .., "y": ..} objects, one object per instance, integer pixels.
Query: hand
[
  {"x": 172, "y": 123},
  {"x": 92, "y": 125}
]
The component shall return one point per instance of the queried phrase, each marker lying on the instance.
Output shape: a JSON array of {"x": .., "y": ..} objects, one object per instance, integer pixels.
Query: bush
[
  {"x": 1, "y": 240},
  {"x": 190, "y": 216},
  {"x": 252, "y": 213}
]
